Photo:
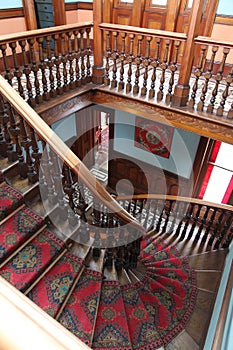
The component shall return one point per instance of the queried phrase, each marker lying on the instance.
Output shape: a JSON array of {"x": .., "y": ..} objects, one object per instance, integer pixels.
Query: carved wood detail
[
  {"x": 201, "y": 123},
  {"x": 65, "y": 108}
]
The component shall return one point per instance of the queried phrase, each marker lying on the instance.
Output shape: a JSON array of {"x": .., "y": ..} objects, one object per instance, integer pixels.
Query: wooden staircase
[{"x": 207, "y": 265}]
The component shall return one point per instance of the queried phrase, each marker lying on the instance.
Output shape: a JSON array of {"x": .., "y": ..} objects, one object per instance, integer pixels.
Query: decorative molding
[
  {"x": 72, "y": 6},
  {"x": 11, "y": 13},
  {"x": 63, "y": 109},
  {"x": 201, "y": 123}
]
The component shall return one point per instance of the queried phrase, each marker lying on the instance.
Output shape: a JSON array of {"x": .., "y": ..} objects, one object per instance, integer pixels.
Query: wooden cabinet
[
  {"x": 50, "y": 13},
  {"x": 44, "y": 13}
]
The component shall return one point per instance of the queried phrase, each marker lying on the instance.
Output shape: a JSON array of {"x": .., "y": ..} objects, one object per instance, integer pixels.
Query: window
[{"x": 218, "y": 181}]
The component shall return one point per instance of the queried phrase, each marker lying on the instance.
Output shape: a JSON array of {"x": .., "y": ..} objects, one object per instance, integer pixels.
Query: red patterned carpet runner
[
  {"x": 31, "y": 260},
  {"x": 17, "y": 229},
  {"x": 146, "y": 315},
  {"x": 50, "y": 292},
  {"x": 80, "y": 313},
  {"x": 10, "y": 199}
]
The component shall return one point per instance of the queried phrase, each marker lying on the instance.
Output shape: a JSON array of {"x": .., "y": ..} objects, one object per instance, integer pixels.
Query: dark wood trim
[
  {"x": 218, "y": 337},
  {"x": 11, "y": 13},
  {"x": 223, "y": 19},
  {"x": 79, "y": 6}
]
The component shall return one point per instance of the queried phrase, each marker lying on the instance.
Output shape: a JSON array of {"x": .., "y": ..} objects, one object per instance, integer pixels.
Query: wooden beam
[
  {"x": 98, "y": 69},
  {"x": 181, "y": 92},
  {"x": 29, "y": 14}
]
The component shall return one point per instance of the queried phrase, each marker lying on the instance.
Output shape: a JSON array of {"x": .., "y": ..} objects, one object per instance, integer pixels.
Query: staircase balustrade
[
  {"x": 67, "y": 188},
  {"x": 187, "y": 218},
  {"x": 44, "y": 63}
]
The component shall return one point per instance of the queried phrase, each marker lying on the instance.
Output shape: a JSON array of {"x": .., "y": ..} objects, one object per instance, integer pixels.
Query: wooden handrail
[
  {"x": 218, "y": 337},
  {"x": 26, "y": 326},
  {"x": 176, "y": 198},
  {"x": 40, "y": 32},
  {"x": 208, "y": 41},
  {"x": 65, "y": 154},
  {"x": 144, "y": 31}
]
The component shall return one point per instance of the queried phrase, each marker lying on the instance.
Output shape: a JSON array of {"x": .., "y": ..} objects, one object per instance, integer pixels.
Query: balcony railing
[{"x": 137, "y": 62}]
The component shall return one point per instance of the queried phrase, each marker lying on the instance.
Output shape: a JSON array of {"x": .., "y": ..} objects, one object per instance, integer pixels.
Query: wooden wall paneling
[{"x": 83, "y": 144}]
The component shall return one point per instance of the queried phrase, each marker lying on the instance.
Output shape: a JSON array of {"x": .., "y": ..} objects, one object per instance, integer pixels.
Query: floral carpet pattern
[{"x": 143, "y": 314}]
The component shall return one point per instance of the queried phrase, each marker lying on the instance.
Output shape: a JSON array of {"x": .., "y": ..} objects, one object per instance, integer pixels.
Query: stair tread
[
  {"x": 79, "y": 314},
  {"x": 111, "y": 329},
  {"x": 213, "y": 260},
  {"x": 16, "y": 229},
  {"x": 50, "y": 292},
  {"x": 10, "y": 199},
  {"x": 31, "y": 260},
  {"x": 183, "y": 342},
  {"x": 208, "y": 280},
  {"x": 141, "y": 326},
  {"x": 198, "y": 325}
]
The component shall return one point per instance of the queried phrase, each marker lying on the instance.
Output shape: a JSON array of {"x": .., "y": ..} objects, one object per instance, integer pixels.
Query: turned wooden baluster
[
  {"x": 114, "y": 57},
  {"x": 209, "y": 224},
  {"x": 198, "y": 72},
  {"x": 218, "y": 79},
  {"x": 173, "y": 69},
  {"x": 122, "y": 57},
  {"x": 168, "y": 214},
  {"x": 207, "y": 75},
  {"x": 88, "y": 54},
  {"x": 43, "y": 67},
  {"x": 26, "y": 144},
  {"x": 15, "y": 132},
  {"x": 77, "y": 57},
  {"x": 130, "y": 60},
  {"x": 176, "y": 213},
  {"x": 3, "y": 144},
  {"x": 80, "y": 203},
  {"x": 161, "y": 207},
  {"x": 17, "y": 71},
  {"x": 57, "y": 180},
  {"x": 69, "y": 190},
  {"x": 224, "y": 231},
  {"x": 96, "y": 213},
  {"x": 228, "y": 239},
  {"x": 146, "y": 62},
  {"x": 138, "y": 61},
  {"x": 107, "y": 56},
  {"x": 36, "y": 154},
  {"x": 188, "y": 218},
  {"x": 225, "y": 94},
  {"x": 8, "y": 75},
  {"x": 216, "y": 227},
  {"x": 154, "y": 64},
  {"x": 203, "y": 221},
  {"x": 11, "y": 153},
  {"x": 147, "y": 209},
  {"x": 46, "y": 179},
  {"x": 27, "y": 71},
  {"x": 196, "y": 217},
  {"x": 57, "y": 62},
  {"x": 71, "y": 56},
  {"x": 82, "y": 55},
  {"x": 50, "y": 64},
  {"x": 64, "y": 60},
  {"x": 163, "y": 66},
  {"x": 35, "y": 69}
]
